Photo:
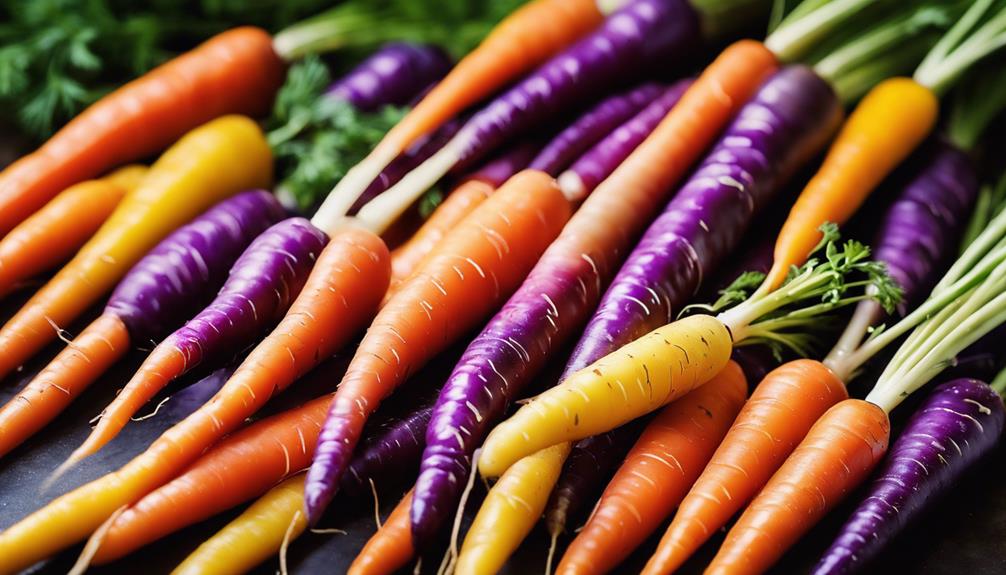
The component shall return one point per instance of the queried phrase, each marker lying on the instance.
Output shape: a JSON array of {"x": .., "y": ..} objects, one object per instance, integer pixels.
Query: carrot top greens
[{"x": 838, "y": 276}]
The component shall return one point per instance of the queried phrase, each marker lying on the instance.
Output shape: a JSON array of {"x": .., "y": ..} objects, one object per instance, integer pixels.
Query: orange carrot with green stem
[
  {"x": 657, "y": 473},
  {"x": 524, "y": 39},
  {"x": 236, "y": 72},
  {"x": 473, "y": 269},
  {"x": 213, "y": 162},
  {"x": 53, "y": 234},
  {"x": 340, "y": 296}
]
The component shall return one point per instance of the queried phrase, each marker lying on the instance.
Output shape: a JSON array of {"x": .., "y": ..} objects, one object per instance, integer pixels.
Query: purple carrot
[
  {"x": 640, "y": 36},
  {"x": 600, "y": 160},
  {"x": 262, "y": 284},
  {"x": 958, "y": 423},
  {"x": 789, "y": 120},
  {"x": 591, "y": 462},
  {"x": 795, "y": 112},
  {"x": 167, "y": 285},
  {"x": 592, "y": 126},
  {"x": 392, "y": 75},
  {"x": 919, "y": 234},
  {"x": 498, "y": 170},
  {"x": 392, "y": 453}
]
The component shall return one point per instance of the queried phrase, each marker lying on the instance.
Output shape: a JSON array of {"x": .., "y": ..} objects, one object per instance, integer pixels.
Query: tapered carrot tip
[
  {"x": 390, "y": 548},
  {"x": 837, "y": 455}
]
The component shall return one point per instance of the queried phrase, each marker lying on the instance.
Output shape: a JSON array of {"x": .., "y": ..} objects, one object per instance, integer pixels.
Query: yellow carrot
[
  {"x": 614, "y": 390},
  {"x": 510, "y": 511},
  {"x": 253, "y": 536}
]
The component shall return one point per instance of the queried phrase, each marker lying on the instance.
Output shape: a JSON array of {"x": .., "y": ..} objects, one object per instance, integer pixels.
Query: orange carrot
[
  {"x": 837, "y": 455},
  {"x": 410, "y": 255},
  {"x": 128, "y": 177},
  {"x": 236, "y": 72},
  {"x": 523, "y": 40},
  {"x": 656, "y": 474},
  {"x": 241, "y": 467},
  {"x": 774, "y": 421},
  {"x": 339, "y": 297},
  {"x": 472, "y": 271},
  {"x": 390, "y": 548},
  {"x": 93, "y": 352},
  {"x": 886, "y": 126},
  {"x": 50, "y": 236}
]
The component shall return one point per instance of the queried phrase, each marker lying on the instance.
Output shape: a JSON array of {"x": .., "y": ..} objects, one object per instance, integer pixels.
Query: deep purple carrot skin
[
  {"x": 789, "y": 120},
  {"x": 498, "y": 170},
  {"x": 405, "y": 163},
  {"x": 185, "y": 269},
  {"x": 391, "y": 454},
  {"x": 393, "y": 75},
  {"x": 640, "y": 36},
  {"x": 920, "y": 231},
  {"x": 591, "y": 462},
  {"x": 598, "y": 162},
  {"x": 592, "y": 126},
  {"x": 262, "y": 284},
  {"x": 958, "y": 423}
]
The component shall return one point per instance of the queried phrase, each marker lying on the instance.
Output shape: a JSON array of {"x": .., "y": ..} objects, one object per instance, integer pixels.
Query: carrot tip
[{"x": 60, "y": 471}]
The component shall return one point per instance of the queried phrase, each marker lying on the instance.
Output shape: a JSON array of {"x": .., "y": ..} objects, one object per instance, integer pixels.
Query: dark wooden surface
[{"x": 966, "y": 533}]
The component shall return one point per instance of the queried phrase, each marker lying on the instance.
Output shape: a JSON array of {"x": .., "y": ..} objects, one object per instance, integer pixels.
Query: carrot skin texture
[
  {"x": 54, "y": 233},
  {"x": 339, "y": 298},
  {"x": 266, "y": 522},
  {"x": 390, "y": 549},
  {"x": 236, "y": 72},
  {"x": 213, "y": 162},
  {"x": 407, "y": 257},
  {"x": 634, "y": 380},
  {"x": 392, "y": 76},
  {"x": 890, "y": 122},
  {"x": 249, "y": 462},
  {"x": 181, "y": 272},
  {"x": 790, "y": 118},
  {"x": 781, "y": 411},
  {"x": 639, "y": 34},
  {"x": 261, "y": 285},
  {"x": 592, "y": 126},
  {"x": 600, "y": 160},
  {"x": 187, "y": 268},
  {"x": 958, "y": 424},
  {"x": 656, "y": 474},
  {"x": 838, "y": 453},
  {"x": 475, "y": 267},
  {"x": 510, "y": 511}
]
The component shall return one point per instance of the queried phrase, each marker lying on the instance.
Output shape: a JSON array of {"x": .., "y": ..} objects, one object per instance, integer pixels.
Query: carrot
[
  {"x": 836, "y": 456},
  {"x": 890, "y": 122},
  {"x": 129, "y": 177},
  {"x": 656, "y": 474},
  {"x": 407, "y": 257},
  {"x": 510, "y": 511},
  {"x": 239, "y": 468},
  {"x": 210, "y": 163},
  {"x": 779, "y": 414},
  {"x": 235, "y": 72},
  {"x": 522, "y": 41},
  {"x": 473, "y": 270},
  {"x": 53, "y": 234},
  {"x": 273, "y": 519},
  {"x": 390, "y": 548},
  {"x": 340, "y": 296}
]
